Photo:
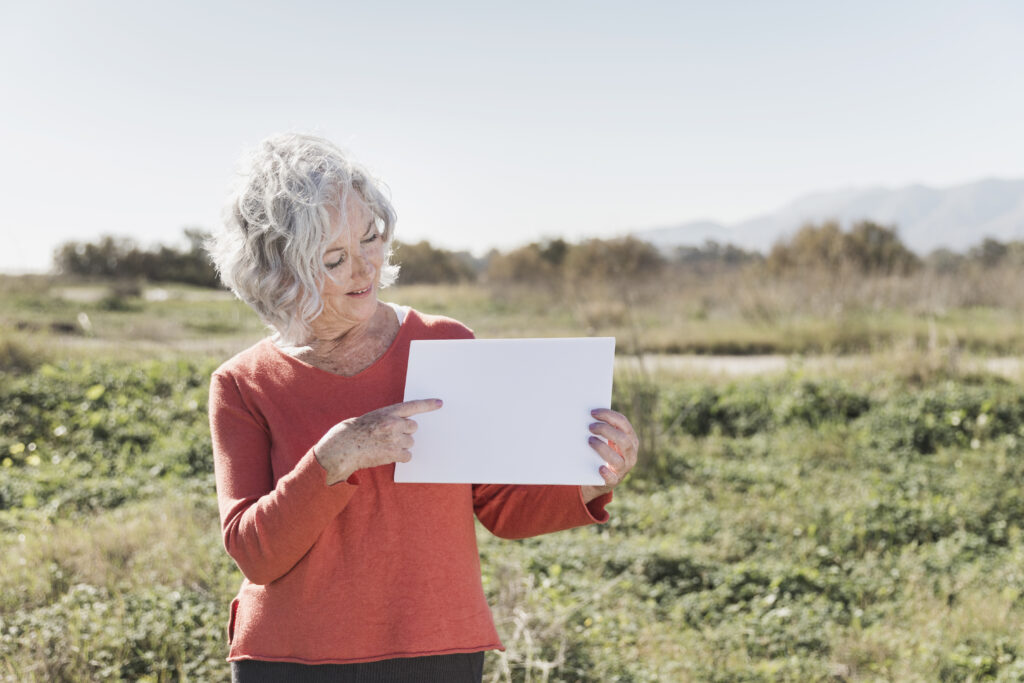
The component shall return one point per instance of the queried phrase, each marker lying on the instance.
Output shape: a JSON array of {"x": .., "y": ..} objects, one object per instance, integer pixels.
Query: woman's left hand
[{"x": 619, "y": 452}]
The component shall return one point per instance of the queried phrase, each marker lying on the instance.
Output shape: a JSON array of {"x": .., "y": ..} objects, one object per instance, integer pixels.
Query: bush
[
  {"x": 424, "y": 264},
  {"x": 17, "y": 358},
  {"x": 614, "y": 260},
  {"x": 535, "y": 264},
  {"x": 759, "y": 406},
  {"x": 868, "y": 249},
  {"x": 953, "y": 414},
  {"x": 122, "y": 258}
]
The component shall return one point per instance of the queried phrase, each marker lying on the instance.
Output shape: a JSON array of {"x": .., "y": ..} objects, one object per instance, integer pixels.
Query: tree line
[
  {"x": 866, "y": 248},
  {"x": 122, "y": 258}
]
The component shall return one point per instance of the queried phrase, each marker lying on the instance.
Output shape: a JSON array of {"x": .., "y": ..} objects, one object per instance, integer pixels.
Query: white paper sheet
[{"x": 516, "y": 411}]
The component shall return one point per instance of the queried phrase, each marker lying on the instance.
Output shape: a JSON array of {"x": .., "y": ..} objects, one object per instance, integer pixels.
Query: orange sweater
[{"x": 365, "y": 569}]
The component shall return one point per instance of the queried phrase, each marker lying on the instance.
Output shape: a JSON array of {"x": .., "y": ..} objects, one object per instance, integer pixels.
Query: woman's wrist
[
  {"x": 334, "y": 469},
  {"x": 590, "y": 493}
]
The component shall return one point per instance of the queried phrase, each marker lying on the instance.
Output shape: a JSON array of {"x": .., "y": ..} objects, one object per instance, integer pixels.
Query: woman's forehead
[
  {"x": 358, "y": 220},
  {"x": 352, "y": 207},
  {"x": 357, "y": 212}
]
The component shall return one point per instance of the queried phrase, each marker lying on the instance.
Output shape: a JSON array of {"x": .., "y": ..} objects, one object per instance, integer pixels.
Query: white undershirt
[{"x": 400, "y": 311}]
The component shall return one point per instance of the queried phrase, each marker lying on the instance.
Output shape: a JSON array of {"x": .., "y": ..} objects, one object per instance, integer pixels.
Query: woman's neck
[{"x": 355, "y": 349}]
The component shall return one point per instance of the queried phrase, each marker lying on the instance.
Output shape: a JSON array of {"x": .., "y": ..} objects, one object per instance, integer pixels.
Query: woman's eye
[
  {"x": 371, "y": 238},
  {"x": 332, "y": 266}
]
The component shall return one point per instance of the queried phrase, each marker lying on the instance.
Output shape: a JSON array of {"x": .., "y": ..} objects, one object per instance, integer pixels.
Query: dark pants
[{"x": 459, "y": 668}]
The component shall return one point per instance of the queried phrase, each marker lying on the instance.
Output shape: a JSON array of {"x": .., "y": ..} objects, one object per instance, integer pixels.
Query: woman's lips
[{"x": 361, "y": 292}]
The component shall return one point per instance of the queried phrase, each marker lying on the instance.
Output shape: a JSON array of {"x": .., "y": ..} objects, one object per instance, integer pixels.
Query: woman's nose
[{"x": 362, "y": 265}]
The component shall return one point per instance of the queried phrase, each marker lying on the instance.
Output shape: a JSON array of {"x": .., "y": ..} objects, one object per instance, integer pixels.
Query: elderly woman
[{"x": 348, "y": 575}]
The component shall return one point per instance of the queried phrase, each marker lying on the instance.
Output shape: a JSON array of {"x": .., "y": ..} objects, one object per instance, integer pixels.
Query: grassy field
[
  {"x": 853, "y": 521},
  {"x": 718, "y": 313}
]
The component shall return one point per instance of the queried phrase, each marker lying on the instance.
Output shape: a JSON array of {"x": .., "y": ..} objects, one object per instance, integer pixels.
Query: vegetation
[
  {"x": 856, "y": 517},
  {"x": 425, "y": 264},
  {"x": 866, "y": 249},
  {"x": 795, "y": 528},
  {"x": 122, "y": 258},
  {"x": 709, "y": 310}
]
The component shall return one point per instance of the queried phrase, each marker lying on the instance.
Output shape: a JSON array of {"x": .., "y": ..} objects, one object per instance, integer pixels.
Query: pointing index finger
[{"x": 410, "y": 408}]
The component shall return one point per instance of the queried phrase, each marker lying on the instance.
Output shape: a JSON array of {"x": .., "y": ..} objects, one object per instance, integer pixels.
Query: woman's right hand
[{"x": 377, "y": 438}]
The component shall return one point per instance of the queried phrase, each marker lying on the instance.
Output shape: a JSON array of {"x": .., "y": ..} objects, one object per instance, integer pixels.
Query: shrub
[
  {"x": 17, "y": 358},
  {"x": 868, "y": 248},
  {"x": 759, "y": 406},
  {"x": 953, "y": 414},
  {"x": 425, "y": 264}
]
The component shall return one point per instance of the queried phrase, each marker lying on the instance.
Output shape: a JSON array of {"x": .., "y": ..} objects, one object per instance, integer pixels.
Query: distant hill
[{"x": 927, "y": 218}]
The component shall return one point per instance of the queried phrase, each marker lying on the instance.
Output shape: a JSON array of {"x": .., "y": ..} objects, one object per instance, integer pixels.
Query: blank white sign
[{"x": 516, "y": 411}]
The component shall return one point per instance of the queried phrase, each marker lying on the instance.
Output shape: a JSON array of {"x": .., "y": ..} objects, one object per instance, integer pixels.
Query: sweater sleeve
[
  {"x": 521, "y": 511},
  {"x": 267, "y": 529}
]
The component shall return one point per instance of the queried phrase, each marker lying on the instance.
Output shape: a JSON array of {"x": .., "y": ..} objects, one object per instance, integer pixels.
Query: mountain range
[{"x": 926, "y": 218}]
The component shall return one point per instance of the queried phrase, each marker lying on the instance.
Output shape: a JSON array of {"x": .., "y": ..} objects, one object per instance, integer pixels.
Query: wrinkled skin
[{"x": 379, "y": 437}]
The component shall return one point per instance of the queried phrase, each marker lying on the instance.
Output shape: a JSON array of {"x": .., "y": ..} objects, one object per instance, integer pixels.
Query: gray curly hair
[{"x": 277, "y": 226}]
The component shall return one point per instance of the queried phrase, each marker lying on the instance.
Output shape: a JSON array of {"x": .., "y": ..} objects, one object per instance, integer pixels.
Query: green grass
[
  {"x": 793, "y": 528},
  {"x": 857, "y": 516}
]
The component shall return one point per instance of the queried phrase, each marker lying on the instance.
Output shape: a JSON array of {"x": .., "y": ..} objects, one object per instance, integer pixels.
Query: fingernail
[
  {"x": 594, "y": 440},
  {"x": 595, "y": 425},
  {"x": 595, "y": 411},
  {"x": 439, "y": 402}
]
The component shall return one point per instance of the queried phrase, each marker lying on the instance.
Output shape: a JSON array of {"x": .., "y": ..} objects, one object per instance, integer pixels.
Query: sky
[{"x": 495, "y": 124}]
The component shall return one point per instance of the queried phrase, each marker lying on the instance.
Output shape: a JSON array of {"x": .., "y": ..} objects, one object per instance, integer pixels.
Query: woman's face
[{"x": 353, "y": 261}]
